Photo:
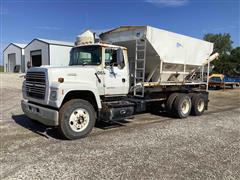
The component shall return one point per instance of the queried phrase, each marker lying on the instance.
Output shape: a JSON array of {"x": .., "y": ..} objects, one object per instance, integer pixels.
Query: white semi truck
[{"x": 139, "y": 67}]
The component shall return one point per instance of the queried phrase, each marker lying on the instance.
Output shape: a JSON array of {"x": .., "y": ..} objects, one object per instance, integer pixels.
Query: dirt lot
[{"x": 146, "y": 147}]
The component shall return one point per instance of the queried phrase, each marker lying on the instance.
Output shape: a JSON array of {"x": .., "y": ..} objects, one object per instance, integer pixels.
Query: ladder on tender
[{"x": 140, "y": 60}]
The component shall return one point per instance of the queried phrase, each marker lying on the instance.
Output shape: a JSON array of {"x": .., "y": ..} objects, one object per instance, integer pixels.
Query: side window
[{"x": 111, "y": 57}]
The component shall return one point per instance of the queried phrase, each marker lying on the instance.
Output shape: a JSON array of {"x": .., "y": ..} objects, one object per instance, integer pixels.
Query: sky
[{"x": 23, "y": 20}]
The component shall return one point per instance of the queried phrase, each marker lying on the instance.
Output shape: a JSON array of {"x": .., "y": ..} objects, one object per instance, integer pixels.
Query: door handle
[{"x": 123, "y": 80}]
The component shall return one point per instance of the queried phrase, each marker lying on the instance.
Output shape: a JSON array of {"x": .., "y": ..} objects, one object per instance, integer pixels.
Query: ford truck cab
[{"x": 70, "y": 97}]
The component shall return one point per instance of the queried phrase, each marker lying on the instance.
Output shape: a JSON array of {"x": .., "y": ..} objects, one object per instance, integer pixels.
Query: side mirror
[{"x": 120, "y": 58}]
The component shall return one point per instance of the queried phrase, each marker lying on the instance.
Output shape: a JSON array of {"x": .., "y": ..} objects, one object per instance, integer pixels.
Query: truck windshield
[{"x": 85, "y": 55}]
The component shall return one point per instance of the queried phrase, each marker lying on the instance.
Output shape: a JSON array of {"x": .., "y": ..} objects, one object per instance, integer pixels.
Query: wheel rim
[
  {"x": 79, "y": 119},
  {"x": 185, "y": 106},
  {"x": 200, "y": 105}
]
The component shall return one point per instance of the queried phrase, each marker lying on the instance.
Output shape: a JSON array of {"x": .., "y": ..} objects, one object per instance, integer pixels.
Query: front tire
[{"x": 77, "y": 118}]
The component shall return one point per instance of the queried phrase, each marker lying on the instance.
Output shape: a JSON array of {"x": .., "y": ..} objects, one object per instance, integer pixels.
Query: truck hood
[{"x": 83, "y": 74}]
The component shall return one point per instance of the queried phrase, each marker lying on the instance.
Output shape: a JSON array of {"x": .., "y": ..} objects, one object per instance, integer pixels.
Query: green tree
[
  {"x": 222, "y": 45},
  {"x": 235, "y": 59},
  {"x": 235, "y": 54},
  {"x": 222, "y": 42}
]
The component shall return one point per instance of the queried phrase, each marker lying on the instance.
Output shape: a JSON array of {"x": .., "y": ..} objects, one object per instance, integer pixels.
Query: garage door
[
  {"x": 36, "y": 58},
  {"x": 11, "y": 62}
]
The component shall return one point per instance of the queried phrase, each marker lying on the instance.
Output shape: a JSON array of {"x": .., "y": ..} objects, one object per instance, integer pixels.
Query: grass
[{"x": 1, "y": 69}]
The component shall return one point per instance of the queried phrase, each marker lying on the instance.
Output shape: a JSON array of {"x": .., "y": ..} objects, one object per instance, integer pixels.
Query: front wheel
[{"x": 76, "y": 119}]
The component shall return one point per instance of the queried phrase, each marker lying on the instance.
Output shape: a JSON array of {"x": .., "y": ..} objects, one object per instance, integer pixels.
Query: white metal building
[
  {"x": 48, "y": 52},
  {"x": 13, "y": 58}
]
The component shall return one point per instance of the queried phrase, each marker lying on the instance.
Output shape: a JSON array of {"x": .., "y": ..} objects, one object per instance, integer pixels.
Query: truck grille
[{"x": 35, "y": 85}]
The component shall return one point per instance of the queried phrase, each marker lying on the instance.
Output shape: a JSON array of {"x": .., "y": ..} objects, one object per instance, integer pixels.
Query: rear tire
[
  {"x": 170, "y": 101},
  {"x": 76, "y": 119},
  {"x": 198, "y": 105},
  {"x": 182, "y": 106}
]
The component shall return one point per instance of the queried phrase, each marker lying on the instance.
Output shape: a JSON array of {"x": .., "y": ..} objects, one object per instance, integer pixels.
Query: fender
[{"x": 65, "y": 87}]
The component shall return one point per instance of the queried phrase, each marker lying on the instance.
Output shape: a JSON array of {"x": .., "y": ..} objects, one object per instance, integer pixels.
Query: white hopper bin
[{"x": 169, "y": 57}]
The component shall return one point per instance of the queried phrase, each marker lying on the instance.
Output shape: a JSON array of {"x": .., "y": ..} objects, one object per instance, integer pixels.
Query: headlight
[{"x": 53, "y": 95}]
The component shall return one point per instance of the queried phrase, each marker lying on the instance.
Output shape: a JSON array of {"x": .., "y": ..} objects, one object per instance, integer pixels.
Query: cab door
[{"x": 116, "y": 78}]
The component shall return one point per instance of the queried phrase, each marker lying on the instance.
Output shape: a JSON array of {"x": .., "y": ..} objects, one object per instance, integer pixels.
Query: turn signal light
[{"x": 61, "y": 80}]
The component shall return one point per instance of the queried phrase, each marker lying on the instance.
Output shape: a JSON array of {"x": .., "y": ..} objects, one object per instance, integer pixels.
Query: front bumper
[{"x": 44, "y": 115}]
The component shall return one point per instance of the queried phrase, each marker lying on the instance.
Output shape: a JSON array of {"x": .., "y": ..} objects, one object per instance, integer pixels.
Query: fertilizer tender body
[{"x": 164, "y": 57}]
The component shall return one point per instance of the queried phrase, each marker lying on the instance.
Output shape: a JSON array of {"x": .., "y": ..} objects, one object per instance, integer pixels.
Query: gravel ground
[{"x": 146, "y": 147}]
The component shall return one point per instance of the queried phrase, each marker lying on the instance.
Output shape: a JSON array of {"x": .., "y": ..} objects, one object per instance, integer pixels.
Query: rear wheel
[
  {"x": 182, "y": 106},
  {"x": 198, "y": 104},
  {"x": 77, "y": 119},
  {"x": 170, "y": 101}
]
